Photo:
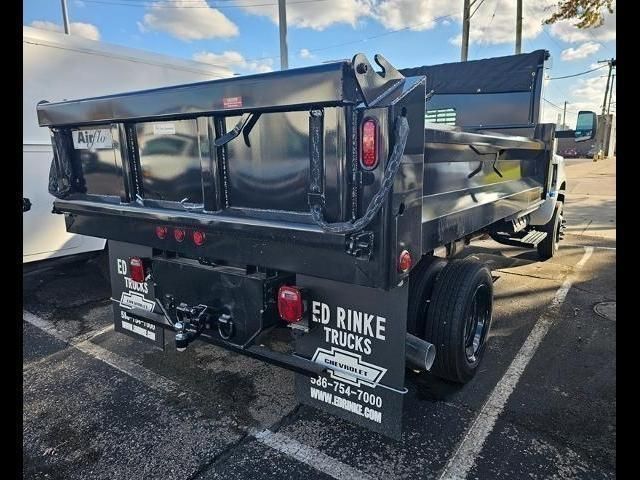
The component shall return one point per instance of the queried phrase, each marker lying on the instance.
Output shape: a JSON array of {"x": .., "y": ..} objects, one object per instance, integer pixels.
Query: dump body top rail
[{"x": 321, "y": 85}]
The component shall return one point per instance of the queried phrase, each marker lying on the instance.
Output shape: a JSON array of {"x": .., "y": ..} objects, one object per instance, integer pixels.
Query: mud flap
[
  {"x": 126, "y": 294},
  {"x": 358, "y": 333}
]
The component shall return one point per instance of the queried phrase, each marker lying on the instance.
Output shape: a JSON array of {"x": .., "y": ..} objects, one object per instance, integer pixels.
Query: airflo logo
[
  {"x": 92, "y": 139},
  {"x": 348, "y": 367}
]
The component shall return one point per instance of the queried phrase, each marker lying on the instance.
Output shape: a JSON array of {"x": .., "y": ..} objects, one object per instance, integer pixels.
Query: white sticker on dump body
[
  {"x": 164, "y": 129},
  {"x": 92, "y": 139}
]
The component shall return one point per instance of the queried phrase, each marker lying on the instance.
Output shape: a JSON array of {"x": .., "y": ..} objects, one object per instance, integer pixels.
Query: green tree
[{"x": 589, "y": 12}]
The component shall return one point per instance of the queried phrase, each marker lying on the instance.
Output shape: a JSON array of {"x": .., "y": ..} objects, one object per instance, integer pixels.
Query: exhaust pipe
[{"x": 419, "y": 353}]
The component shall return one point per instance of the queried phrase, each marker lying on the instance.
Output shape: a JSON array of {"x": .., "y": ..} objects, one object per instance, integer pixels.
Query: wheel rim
[{"x": 477, "y": 323}]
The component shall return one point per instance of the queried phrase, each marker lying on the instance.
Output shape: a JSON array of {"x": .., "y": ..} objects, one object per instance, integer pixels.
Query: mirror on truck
[{"x": 586, "y": 126}]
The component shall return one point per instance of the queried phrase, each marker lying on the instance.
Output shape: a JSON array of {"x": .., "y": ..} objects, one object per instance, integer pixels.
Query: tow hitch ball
[{"x": 191, "y": 321}]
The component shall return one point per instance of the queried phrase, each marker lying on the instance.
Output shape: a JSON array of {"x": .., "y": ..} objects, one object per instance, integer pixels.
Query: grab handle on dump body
[{"x": 315, "y": 194}]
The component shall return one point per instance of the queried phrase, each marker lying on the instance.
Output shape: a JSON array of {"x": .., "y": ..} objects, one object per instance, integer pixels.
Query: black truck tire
[
  {"x": 421, "y": 283},
  {"x": 548, "y": 247},
  {"x": 459, "y": 319}
]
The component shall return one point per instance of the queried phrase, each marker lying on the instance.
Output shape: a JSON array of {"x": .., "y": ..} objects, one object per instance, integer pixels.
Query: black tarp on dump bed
[
  {"x": 513, "y": 73},
  {"x": 502, "y": 93}
]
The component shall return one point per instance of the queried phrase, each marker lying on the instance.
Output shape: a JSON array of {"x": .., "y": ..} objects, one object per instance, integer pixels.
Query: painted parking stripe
[
  {"x": 71, "y": 341},
  {"x": 594, "y": 247},
  {"x": 134, "y": 370},
  {"x": 290, "y": 447},
  {"x": 464, "y": 458},
  {"x": 310, "y": 456}
]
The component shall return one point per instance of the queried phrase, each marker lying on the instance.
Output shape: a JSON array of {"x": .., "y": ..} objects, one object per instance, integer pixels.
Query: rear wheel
[
  {"x": 420, "y": 289},
  {"x": 459, "y": 318},
  {"x": 548, "y": 247}
]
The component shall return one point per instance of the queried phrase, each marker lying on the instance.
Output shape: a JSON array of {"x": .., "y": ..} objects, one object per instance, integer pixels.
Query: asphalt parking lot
[{"x": 99, "y": 405}]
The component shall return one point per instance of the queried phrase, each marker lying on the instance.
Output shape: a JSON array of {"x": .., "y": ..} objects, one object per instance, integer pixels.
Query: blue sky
[{"x": 242, "y": 35}]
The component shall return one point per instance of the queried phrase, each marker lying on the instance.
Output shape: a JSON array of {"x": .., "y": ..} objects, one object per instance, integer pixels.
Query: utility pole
[
  {"x": 284, "y": 50},
  {"x": 603, "y": 132},
  {"x": 613, "y": 82},
  {"x": 519, "y": 28},
  {"x": 466, "y": 22},
  {"x": 564, "y": 114},
  {"x": 612, "y": 63},
  {"x": 65, "y": 17}
]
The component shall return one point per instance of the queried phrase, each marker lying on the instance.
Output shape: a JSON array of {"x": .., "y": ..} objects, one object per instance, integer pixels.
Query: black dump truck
[{"x": 312, "y": 217}]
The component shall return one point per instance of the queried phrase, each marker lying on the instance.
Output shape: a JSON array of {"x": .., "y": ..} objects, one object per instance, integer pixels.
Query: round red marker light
[
  {"x": 161, "y": 232},
  {"x": 405, "y": 262},
  {"x": 179, "y": 234},
  {"x": 198, "y": 237}
]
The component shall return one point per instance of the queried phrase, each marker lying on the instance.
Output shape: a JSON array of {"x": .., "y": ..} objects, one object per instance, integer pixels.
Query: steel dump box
[{"x": 323, "y": 177}]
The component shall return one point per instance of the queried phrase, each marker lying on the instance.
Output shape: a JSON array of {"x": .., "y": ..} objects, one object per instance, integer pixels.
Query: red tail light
[
  {"x": 179, "y": 234},
  {"x": 161, "y": 232},
  {"x": 404, "y": 262},
  {"x": 198, "y": 237},
  {"x": 136, "y": 268},
  {"x": 369, "y": 157},
  {"x": 290, "y": 304}
]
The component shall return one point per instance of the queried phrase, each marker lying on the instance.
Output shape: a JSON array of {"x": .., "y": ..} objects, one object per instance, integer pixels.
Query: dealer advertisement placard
[
  {"x": 127, "y": 294},
  {"x": 358, "y": 334}
]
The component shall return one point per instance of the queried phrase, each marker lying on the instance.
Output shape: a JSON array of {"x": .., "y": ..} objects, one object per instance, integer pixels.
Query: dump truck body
[{"x": 299, "y": 200}]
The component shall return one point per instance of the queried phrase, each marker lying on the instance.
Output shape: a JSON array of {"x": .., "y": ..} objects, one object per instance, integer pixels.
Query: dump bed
[
  {"x": 299, "y": 200},
  {"x": 272, "y": 169}
]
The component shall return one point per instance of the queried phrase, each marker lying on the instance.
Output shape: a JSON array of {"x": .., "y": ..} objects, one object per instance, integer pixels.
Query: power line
[
  {"x": 495, "y": 10},
  {"x": 576, "y": 74},
  {"x": 361, "y": 40},
  {"x": 569, "y": 110},
  {"x": 175, "y": 6},
  {"x": 479, "y": 5}
]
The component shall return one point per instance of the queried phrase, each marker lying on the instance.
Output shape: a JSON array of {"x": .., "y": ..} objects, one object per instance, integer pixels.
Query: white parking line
[
  {"x": 302, "y": 453},
  {"x": 463, "y": 460},
  {"x": 595, "y": 247},
  {"x": 310, "y": 456},
  {"x": 144, "y": 375}
]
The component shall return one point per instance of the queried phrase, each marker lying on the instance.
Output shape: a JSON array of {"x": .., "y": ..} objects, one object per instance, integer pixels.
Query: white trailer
[{"x": 58, "y": 67}]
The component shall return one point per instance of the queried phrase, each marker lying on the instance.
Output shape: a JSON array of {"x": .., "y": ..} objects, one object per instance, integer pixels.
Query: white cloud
[
  {"x": 188, "y": 23},
  {"x": 589, "y": 93},
  {"x": 234, "y": 62},
  {"x": 86, "y": 30},
  {"x": 305, "y": 53},
  {"x": 414, "y": 14},
  {"x": 500, "y": 29},
  {"x": 457, "y": 40},
  {"x": 582, "y": 51},
  {"x": 318, "y": 15},
  {"x": 492, "y": 23}
]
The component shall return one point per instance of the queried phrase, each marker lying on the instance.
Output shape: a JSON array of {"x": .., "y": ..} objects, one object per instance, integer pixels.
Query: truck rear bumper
[{"x": 280, "y": 245}]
